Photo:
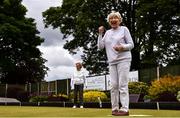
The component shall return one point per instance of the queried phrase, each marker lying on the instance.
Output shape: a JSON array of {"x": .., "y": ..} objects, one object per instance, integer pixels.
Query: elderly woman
[
  {"x": 77, "y": 82},
  {"x": 118, "y": 44}
]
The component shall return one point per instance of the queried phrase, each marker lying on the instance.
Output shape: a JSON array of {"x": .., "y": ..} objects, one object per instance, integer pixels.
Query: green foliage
[
  {"x": 82, "y": 22},
  {"x": 18, "y": 92},
  {"x": 146, "y": 97},
  {"x": 38, "y": 99},
  {"x": 59, "y": 97},
  {"x": 49, "y": 98},
  {"x": 138, "y": 88},
  {"x": 158, "y": 25},
  {"x": 108, "y": 93},
  {"x": 165, "y": 89},
  {"x": 20, "y": 59},
  {"x": 154, "y": 25},
  {"x": 92, "y": 96}
]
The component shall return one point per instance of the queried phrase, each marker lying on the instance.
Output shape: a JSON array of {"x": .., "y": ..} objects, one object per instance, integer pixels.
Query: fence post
[
  {"x": 6, "y": 91},
  {"x": 157, "y": 72},
  {"x": 48, "y": 87},
  {"x": 105, "y": 82},
  {"x": 56, "y": 89},
  {"x": 67, "y": 88},
  {"x": 39, "y": 87}
]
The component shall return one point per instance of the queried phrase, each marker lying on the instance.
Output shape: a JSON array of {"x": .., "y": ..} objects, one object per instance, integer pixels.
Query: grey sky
[{"x": 60, "y": 62}]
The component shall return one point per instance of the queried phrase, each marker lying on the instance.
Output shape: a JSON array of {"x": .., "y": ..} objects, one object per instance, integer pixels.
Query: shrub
[
  {"x": 38, "y": 99},
  {"x": 92, "y": 96},
  {"x": 23, "y": 96},
  {"x": 108, "y": 94},
  {"x": 138, "y": 88},
  {"x": 59, "y": 97},
  {"x": 165, "y": 89},
  {"x": 18, "y": 92}
]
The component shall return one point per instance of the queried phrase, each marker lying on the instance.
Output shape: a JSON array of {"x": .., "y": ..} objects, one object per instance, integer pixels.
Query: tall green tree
[
  {"x": 158, "y": 28},
  {"x": 81, "y": 19},
  {"x": 154, "y": 25},
  {"x": 20, "y": 59}
]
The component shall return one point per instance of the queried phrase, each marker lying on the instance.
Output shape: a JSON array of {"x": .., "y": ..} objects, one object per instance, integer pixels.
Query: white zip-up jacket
[
  {"x": 78, "y": 77},
  {"x": 114, "y": 37}
]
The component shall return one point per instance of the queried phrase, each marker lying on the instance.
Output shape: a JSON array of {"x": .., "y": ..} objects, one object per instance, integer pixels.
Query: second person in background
[{"x": 77, "y": 81}]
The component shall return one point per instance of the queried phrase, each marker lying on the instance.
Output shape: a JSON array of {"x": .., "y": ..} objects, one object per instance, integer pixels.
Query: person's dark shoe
[
  {"x": 122, "y": 113},
  {"x": 114, "y": 112}
]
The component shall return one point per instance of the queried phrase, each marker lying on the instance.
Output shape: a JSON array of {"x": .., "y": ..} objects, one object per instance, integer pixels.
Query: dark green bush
[
  {"x": 138, "y": 88},
  {"x": 18, "y": 92},
  {"x": 38, "y": 99},
  {"x": 59, "y": 97}
]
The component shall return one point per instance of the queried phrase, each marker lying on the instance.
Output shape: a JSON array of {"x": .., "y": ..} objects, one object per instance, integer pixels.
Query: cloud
[
  {"x": 57, "y": 56},
  {"x": 53, "y": 37},
  {"x": 59, "y": 72},
  {"x": 35, "y": 9},
  {"x": 59, "y": 61}
]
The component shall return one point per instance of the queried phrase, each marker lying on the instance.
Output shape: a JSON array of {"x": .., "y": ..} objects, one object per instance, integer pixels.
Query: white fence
[{"x": 103, "y": 82}]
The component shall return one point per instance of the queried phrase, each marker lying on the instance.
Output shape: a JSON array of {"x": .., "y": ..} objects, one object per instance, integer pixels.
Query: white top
[
  {"x": 78, "y": 77},
  {"x": 112, "y": 37}
]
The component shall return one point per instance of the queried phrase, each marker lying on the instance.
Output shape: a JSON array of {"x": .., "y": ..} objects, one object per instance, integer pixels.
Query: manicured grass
[{"x": 27, "y": 111}]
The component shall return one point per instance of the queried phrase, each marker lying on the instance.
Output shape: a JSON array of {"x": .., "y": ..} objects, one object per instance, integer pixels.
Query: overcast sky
[{"x": 59, "y": 61}]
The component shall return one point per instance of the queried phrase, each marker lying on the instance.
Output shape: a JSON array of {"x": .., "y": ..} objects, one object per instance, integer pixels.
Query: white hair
[
  {"x": 114, "y": 13},
  {"x": 78, "y": 61}
]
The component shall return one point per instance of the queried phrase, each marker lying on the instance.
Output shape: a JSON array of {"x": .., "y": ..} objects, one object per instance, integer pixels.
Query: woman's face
[
  {"x": 78, "y": 66},
  {"x": 114, "y": 22}
]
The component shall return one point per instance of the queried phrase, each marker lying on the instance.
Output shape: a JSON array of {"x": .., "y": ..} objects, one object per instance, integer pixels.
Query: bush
[
  {"x": 92, "y": 96},
  {"x": 138, "y": 88},
  {"x": 165, "y": 89},
  {"x": 23, "y": 96},
  {"x": 18, "y": 92},
  {"x": 51, "y": 98},
  {"x": 108, "y": 94},
  {"x": 59, "y": 97},
  {"x": 38, "y": 99}
]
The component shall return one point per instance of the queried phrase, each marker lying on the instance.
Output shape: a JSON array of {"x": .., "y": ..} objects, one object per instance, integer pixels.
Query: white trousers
[{"x": 119, "y": 74}]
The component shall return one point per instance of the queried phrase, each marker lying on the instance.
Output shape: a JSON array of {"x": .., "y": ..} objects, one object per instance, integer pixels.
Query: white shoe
[
  {"x": 74, "y": 106},
  {"x": 81, "y": 107}
]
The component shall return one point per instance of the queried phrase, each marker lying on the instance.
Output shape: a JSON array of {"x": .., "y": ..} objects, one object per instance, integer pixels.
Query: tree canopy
[
  {"x": 20, "y": 59},
  {"x": 154, "y": 25},
  {"x": 158, "y": 29}
]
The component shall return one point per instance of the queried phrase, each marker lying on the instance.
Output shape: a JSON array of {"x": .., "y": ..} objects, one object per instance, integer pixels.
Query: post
[
  {"x": 38, "y": 88},
  {"x": 157, "y": 103},
  {"x": 6, "y": 90},
  {"x": 105, "y": 83},
  {"x": 67, "y": 88},
  {"x": 56, "y": 89},
  {"x": 100, "y": 102},
  {"x": 158, "y": 72},
  {"x": 48, "y": 88}
]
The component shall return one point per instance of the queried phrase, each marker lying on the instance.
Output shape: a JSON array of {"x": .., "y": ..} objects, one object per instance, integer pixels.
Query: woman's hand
[
  {"x": 101, "y": 29},
  {"x": 118, "y": 48}
]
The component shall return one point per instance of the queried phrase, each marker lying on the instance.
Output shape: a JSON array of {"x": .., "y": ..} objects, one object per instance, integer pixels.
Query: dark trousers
[{"x": 78, "y": 91}]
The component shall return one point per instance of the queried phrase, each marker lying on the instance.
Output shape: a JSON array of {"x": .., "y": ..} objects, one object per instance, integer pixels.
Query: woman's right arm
[{"x": 100, "y": 42}]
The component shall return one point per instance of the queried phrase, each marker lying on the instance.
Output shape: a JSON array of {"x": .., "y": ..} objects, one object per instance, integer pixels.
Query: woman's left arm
[{"x": 128, "y": 39}]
